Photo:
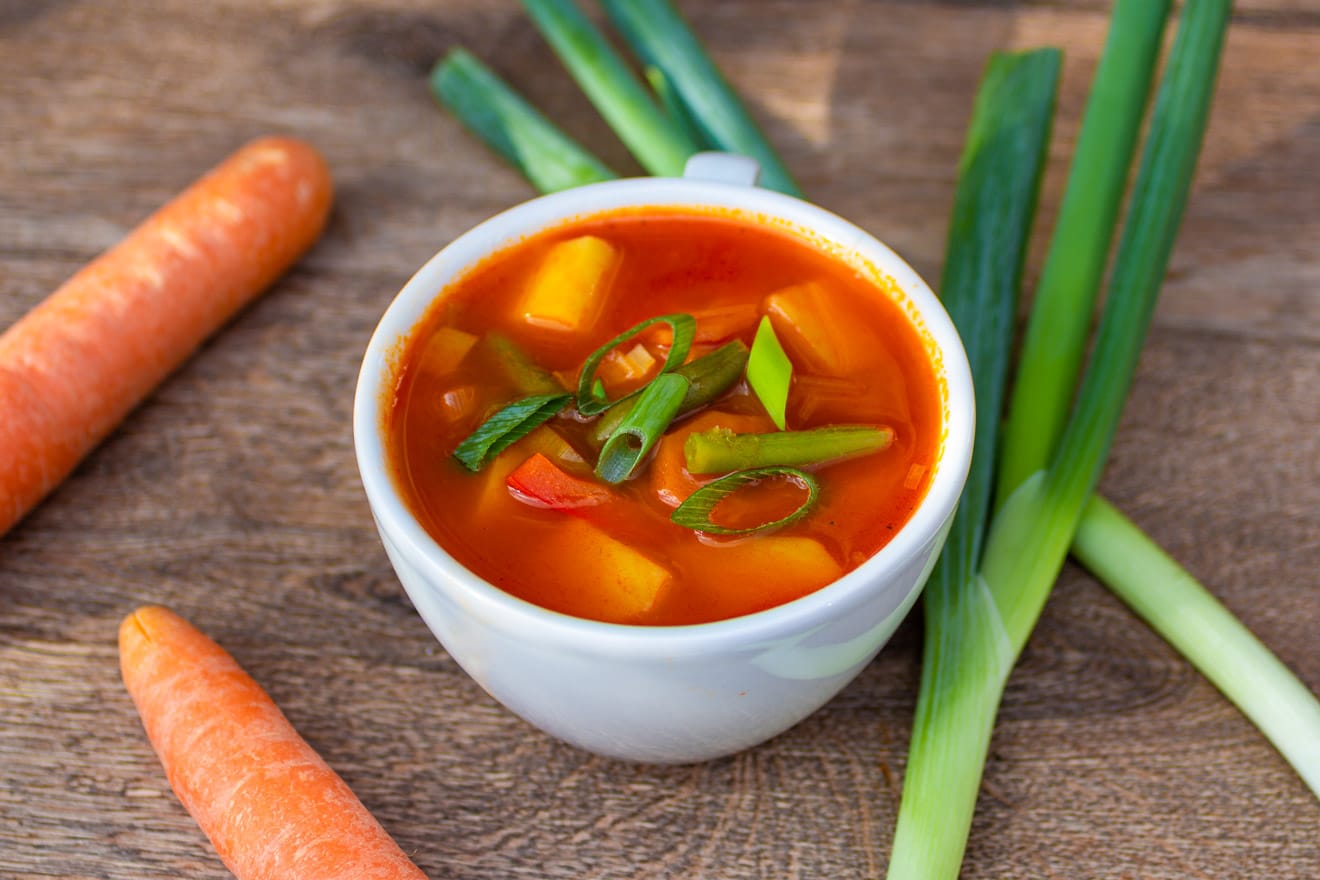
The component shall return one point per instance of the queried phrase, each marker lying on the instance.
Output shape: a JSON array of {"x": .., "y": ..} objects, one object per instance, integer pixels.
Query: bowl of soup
[{"x": 664, "y": 462}]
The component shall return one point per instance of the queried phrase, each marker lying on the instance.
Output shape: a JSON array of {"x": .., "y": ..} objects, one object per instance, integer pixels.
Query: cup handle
[{"x": 727, "y": 168}]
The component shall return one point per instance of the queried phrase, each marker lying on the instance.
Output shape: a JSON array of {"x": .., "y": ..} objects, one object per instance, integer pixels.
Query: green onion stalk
[
  {"x": 977, "y": 625},
  {"x": 660, "y": 146},
  {"x": 512, "y": 127},
  {"x": 967, "y": 654},
  {"x": 663, "y": 40}
]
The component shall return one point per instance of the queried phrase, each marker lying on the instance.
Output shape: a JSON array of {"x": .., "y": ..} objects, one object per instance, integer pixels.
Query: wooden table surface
[{"x": 232, "y": 494}]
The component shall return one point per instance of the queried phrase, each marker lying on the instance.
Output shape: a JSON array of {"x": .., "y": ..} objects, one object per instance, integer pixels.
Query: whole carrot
[
  {"x": 74, "y": 366},
  {"x": 271, "y": 807}
]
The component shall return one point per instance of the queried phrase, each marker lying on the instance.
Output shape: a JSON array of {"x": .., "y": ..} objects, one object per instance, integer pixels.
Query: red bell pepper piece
[{"x": 537, "y": 481}]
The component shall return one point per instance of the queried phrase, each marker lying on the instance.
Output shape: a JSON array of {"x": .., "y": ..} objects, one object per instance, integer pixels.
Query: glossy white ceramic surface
[{"x": 663, "y": 694}]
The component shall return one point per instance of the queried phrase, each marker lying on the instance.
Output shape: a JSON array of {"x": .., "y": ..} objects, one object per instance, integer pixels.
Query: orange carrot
[
  {"x": 74, "y": 366},
  {"x": 271, "y": 806}
]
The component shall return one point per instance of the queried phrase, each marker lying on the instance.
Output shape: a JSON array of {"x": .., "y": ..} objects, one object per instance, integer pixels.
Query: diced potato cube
[
  {"x": 445, "y": 350},
  {"x": 777, "y": 569},
  {"x": 570, "y": 285},
  {"x": 615, "y": 581},
  {"x": 807, "y": 323}
]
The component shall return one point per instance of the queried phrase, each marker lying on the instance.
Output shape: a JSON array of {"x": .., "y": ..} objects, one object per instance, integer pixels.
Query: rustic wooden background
[{"x": 232, "y": 494}]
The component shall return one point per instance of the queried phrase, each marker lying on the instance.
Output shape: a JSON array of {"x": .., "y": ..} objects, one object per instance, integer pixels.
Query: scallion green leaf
[
  {"x": 770, "y": 372},
  {"x": 719, "y": 450},
  {"x": 660, "y": 37},
  {"x": 1064, "y": 301},
  {"x": 684, "y": 328},
  {"x": 965, "y": 651},
  {"x": 695, "y": 512},
  {"x": 507, "y": 426},
  {"x": 641, "y": 429},
  {"x": 661, "y": 147},
  {"x": 510, "y": 126}
]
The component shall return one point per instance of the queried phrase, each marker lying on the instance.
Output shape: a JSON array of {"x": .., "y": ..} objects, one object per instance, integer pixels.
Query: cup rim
[{"x": 800, "y": 616}]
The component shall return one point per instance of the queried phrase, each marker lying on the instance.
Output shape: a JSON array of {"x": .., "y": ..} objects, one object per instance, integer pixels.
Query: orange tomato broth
[{"x": 671, "y": 260}]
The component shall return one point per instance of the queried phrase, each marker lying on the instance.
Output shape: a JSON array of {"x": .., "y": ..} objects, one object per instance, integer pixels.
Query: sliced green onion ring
[
  {"x": 694, "y": 513},
  {"x": 684, "y": 328},
  {"x": 506, "y": 427}
]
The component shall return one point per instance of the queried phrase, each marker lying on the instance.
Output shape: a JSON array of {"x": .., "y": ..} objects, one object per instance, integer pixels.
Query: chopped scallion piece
[
  {"x": 695, "y": 512},
  {"x": 507, "y": 426},
  {"x": 712, "y": 452},
  {"x": 641, "y": 429},
  {"x": 527, "y": 375},
  {"x": 708, "y": 378},
  {"x": 684, "y": 328},
  {"x": 770, "y": 372}
]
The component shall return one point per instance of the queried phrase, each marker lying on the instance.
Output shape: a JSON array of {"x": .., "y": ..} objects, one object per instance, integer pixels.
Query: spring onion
[
  {"x": 591, "y": 399},
  {"x": 708, "y": 377},
  {"x": 641, "y": 429},
  {"x": 719, "y": 450},
  {"x": 770, "y": 372},
  {"x": 507, "y": 426},
  {"x": 511, "y": 127},
  {"x": 695, "y": 512},
  {"x": 604, "y": 77},
  {"x": 661, "y": 38},
  {"x": 964, "y": 651},
  {"x": 977, "y": 625}
]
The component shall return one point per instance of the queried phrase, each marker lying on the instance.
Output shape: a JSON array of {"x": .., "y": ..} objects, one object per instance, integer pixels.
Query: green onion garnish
[
  {"x": 661, "y": 147},
  {"x": 695, "y": 512},
  {"x": 507, "y": 426},
  {"x": 770, "y": 372},
  {"x": 511, "y": 127},
  {"x": 684, "y": 328},
  {"x": 708, "y": 378},
  {"x": 527, "y": 376},
  {"x": 719, "y": 450},
  {"x": 641, "y": 429}
]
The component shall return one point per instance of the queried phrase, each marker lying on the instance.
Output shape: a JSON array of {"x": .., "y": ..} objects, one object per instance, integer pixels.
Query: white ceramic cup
[{"x": 681, "y": 693}]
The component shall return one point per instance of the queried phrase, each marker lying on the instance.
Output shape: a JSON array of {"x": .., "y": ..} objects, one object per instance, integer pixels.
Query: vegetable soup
[{"x": 664, "y": 416}]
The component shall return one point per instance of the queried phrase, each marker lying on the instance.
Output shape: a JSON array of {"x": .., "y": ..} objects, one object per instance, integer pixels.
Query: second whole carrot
[
  {"x": 272, "y": 808},
  {"x": 74, "y": 366}
]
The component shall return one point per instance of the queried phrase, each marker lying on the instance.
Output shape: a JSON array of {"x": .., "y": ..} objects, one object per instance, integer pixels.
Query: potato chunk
[
  {"x": 807, "y": 324},
  {"x": 613, "y": 580},
  {"x": 569, "y": 287}
]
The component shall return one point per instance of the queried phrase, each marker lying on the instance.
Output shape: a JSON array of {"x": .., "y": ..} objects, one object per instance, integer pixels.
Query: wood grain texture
[{"x": 233, "y": 497}]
